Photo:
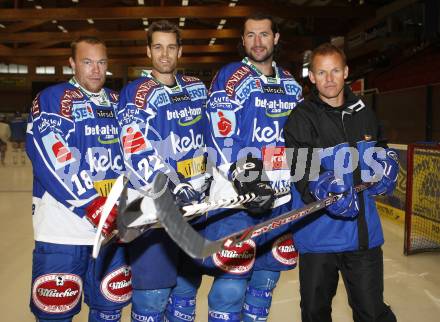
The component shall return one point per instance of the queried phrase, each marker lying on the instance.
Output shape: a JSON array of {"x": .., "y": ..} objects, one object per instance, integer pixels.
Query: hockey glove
[
  {"x": 326, "y": 185},
  {"x": 185, "y": 194},
  {"x": 93, "y": 215},
  {"x": 247, "y": 177},
  {"x": 388, "y": 182}
]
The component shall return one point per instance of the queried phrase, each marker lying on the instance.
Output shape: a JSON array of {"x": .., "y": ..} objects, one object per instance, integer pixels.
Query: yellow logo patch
[{"x": 192, "y": 167}]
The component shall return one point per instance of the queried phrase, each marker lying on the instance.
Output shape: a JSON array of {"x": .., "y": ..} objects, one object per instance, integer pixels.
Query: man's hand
[
  {"x": 93, "y": 215},
  {"x": 326, "y": 185},
  {"x": 390, "y": 165},
  {"x": 185, "y": 194},
  {"x": 247, "y": 177}
]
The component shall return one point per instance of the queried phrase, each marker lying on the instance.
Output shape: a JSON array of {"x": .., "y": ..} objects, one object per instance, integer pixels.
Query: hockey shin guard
[
  {"x": 104, "y": 316},
  {"x": 259, "y": 295},
  {"x": 149, "y": 305},
  {"x": 181, "y": 309},
  {"x": 225, "y": 299},
  {"x": 182, "y": 302}
]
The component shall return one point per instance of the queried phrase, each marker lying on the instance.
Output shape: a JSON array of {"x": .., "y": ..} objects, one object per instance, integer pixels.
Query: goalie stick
[
  {"x": 130, "y": 224},
  {"x": 196, "y": 246}
]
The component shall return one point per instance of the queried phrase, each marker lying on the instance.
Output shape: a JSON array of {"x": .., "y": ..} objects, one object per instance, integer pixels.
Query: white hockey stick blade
[
  {"x": 111, "y": 200},
  {"x": 196, "y": 246},
  {"x": 132, "y": 222}
]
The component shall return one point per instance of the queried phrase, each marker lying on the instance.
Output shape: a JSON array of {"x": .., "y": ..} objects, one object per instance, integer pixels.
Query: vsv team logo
[{"x": 224, "y": 123}]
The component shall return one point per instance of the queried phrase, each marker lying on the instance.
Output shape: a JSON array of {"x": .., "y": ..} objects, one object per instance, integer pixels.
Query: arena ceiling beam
[
  {"x": 133, "y": 50},
  {"x": 128, "y": 61},
  {"x": 28, "y": 37},
  {"x": 20, "y": 26},
  {"x": 216, "y": 11}
]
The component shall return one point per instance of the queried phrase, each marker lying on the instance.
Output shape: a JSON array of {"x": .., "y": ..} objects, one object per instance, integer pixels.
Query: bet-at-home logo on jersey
[{"x": 186, "y": 116}]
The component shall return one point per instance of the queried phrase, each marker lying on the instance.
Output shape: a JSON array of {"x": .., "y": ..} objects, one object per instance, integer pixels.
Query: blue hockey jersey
[
  {"x": 72, "y": 142},
  {"x": 247, "y": 111},
  {"x": 162, "y": 129}
]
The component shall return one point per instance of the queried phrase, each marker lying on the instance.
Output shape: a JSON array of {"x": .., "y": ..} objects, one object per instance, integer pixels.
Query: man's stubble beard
[{"x": 266, "y": 58}]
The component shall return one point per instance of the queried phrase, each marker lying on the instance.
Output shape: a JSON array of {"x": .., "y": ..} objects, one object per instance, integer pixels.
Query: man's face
[
  {"x": 259, "y": 40},
  {"x": 90, "y": 66},
  {"x": 329, "y": 74},
  {"x": 164, "y": 52}
]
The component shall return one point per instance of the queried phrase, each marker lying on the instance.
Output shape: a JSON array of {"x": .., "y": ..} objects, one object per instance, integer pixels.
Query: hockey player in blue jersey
[
  {"x": 249, "y": 102},
  {"x": 72, "y": 142},
  {"x": 162, "y": 119}
]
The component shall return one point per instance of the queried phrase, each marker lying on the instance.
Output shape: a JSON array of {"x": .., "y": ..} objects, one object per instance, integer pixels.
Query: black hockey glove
[
  {"x": 185, "y": 194},
  {"x": 248, "y": 177}
]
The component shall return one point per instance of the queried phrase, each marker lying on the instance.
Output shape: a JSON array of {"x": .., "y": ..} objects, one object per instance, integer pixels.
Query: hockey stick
[
  {"x": 196, "y": 246},
  {"x": 128, "y": 229},
  {"x": 111, "y": 200}
]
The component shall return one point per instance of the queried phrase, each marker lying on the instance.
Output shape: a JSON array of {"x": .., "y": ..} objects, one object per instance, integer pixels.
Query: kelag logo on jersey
[
  {"x": 82, "y": 111},
  {"x": 133, "y": 141},
  {"x": 102, "y": 159},
  {"x": 223, "y": 123},
  {"x": 197, "y": 92},
  {"x": 57, "y": 150},
  {"x": 186, "y": 143},
  {"x": 291, "y": 87},
  {"x": 272, "y": 132}
]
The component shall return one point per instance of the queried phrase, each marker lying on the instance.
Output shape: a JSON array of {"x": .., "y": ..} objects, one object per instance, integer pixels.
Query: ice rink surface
[{"x": 412, "y": 284}]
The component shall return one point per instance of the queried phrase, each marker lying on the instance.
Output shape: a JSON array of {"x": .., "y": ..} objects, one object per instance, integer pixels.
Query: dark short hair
[
  {"x": 324, "y": 50},
  {"x": 260, "y": 16},
  {"x": 163, "y": 26},
  {"x": 87, "y": 39}
]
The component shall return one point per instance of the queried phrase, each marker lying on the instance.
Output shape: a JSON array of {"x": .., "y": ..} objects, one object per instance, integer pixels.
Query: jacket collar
[{"x": 352, "y": 103}]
